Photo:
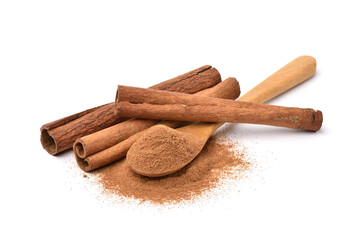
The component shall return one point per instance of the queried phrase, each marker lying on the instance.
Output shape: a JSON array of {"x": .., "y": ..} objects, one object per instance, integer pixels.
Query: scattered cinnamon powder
[
  {"x": 162, "y": 150},
  {"x": 216, "y": 161}
]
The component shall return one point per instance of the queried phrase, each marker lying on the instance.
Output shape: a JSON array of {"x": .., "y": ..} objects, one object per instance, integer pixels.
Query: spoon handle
[{"x": 292, "y": 74}]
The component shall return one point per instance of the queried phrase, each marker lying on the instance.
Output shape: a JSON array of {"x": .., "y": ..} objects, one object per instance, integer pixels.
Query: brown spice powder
[
  {"x": 204, "y": 173},
  {"x": 162, "y": 149}
]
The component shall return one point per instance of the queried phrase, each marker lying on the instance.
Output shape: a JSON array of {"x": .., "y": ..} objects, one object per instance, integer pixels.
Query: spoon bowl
[{"x": 162, "y": 150}]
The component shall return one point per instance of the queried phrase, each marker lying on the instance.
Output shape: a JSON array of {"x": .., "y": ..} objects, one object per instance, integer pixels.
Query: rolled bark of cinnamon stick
[
  {"x": 157, "y": 104},
  {"x": 100, "y": 140},
  {"x": 60, "y": 135},
  {"x": 228, "y": 89}
]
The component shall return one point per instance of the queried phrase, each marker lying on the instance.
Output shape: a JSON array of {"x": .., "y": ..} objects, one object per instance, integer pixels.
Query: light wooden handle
[{"x": 292, "y": 74}]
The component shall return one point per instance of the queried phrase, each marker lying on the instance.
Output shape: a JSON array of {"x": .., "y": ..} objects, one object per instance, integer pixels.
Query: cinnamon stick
[
  {"x": 228, "y": 89},
  {"x": 60, "y": 135},
  {"x": 157, "y": 104}
]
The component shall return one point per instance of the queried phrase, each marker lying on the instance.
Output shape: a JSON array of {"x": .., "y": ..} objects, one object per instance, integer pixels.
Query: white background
[{"x": 60, "y": 57}]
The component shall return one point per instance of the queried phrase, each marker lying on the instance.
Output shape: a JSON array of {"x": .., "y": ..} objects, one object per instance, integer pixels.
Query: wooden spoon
[{"x": 292, "y": 74}]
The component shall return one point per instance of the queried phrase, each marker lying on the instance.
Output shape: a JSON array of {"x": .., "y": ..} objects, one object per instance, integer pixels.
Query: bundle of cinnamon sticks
[{"x": 103, "y": 135}]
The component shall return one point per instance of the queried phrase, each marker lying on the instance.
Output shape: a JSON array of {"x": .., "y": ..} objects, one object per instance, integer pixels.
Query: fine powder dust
[
  {"x": 162, "y": 150},
  {"x": 217, "y": 161}
]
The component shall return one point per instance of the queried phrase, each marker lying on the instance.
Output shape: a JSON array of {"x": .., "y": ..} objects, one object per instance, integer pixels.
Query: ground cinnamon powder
[
  {"x": 162, "y": 149},
  {"x": 216, "y": 161}
]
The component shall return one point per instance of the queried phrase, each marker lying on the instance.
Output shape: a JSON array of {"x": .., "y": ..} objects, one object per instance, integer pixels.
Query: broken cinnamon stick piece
[
  {"x": 228, "y": 89},
  {"x": 157, "y": 104},
  {"x": 60, "y": 135}
]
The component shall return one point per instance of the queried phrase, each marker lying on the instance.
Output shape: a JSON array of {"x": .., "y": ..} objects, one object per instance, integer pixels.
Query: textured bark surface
[
  {"x": 228, "y": 89},
  {"x": 60, "y": 135},
  {"x": 193, "y": 81},
  {"x": 60, "y": 138},
  {"x": 157, "y": 104}
]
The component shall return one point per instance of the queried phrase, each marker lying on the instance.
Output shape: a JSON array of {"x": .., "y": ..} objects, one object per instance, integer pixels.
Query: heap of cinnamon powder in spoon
[
  {"x": 204, "y": 173},
  {"x": 162, "y": 150}
]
